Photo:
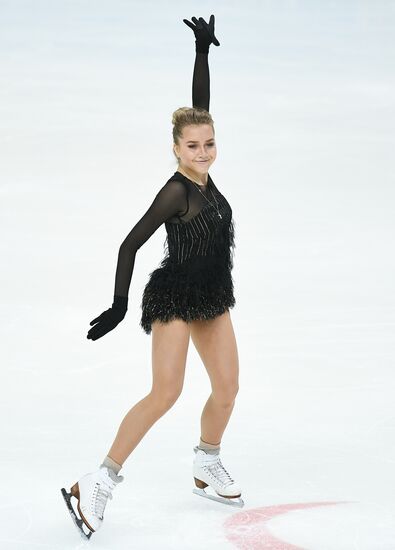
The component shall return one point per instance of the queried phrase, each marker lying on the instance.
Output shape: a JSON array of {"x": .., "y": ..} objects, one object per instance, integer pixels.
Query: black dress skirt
[{"x": 194, "y": 280}]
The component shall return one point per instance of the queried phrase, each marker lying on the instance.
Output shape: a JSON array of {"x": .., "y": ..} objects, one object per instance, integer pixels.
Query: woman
[{"x": 189, "y": 295}]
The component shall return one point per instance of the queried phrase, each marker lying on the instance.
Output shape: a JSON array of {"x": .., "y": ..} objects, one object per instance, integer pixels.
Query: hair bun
[{"x": 179, "y": 114}]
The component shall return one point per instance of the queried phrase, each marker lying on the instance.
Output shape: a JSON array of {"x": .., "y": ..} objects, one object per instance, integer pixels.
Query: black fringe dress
[{"x": 194, "y": 280}]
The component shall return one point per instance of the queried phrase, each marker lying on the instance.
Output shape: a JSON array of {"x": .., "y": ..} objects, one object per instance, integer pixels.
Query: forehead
[{"x": 197, "y": 132}]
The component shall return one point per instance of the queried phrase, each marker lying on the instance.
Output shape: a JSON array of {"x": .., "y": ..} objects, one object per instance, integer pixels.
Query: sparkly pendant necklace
[{"x": 212, "y": 194}]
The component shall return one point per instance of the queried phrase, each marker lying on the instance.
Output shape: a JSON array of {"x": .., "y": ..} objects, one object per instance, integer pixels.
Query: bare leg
[
  {"x": 134, "y": 426},
  {"x": 170, "y": 343},
  {"x": 214, "y": 419},
  {"x": 216, "y": 344}
]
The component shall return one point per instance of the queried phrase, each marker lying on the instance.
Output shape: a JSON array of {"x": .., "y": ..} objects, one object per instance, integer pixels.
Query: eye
[{"x": 209, "y": 145}]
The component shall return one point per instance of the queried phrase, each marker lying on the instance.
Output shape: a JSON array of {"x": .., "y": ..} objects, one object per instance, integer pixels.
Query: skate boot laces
[
  {"x": 214, "y": 466},
  {"x": 101, "y": 493},
  {"x": 99, "y": 498}
]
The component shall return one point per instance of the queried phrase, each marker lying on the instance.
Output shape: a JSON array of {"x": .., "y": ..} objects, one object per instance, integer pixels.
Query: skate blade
[
  {"x": 238, "y": 502},
  {"x": 77, "y": 521}
]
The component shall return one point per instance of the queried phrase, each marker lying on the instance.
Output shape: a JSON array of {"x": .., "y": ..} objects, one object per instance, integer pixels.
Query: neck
[{"x": 200, "y": 179}]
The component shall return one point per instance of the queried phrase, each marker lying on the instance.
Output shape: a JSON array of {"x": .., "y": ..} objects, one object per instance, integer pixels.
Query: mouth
[{"x": 202, "y": 161}]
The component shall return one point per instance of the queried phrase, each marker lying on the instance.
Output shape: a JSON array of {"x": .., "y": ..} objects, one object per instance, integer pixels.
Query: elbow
[{"x": 128, "y": 249}]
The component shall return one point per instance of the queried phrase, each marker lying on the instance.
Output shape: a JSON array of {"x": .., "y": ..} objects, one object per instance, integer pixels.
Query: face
[{"x": 197, "y": 148}]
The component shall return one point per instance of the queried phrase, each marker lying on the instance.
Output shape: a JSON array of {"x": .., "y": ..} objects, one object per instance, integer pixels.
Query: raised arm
[
  {"x": 201, "y": 82},
  {"x": 170, "y": 200},
  {"x": 204, "y": 35}
]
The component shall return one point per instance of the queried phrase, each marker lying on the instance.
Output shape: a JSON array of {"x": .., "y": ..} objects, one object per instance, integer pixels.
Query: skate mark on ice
[{"x": 247, "y": 530}]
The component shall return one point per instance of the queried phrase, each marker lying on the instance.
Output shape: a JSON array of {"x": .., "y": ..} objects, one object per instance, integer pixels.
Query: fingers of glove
[
  {"x": 96, "y": 320},
  {"x": 100, "y": 330},
  {"x": 101, "y": 316},
  {"x": 197, "y": 22},
  {"x": 93, "y": 332},
  {"x": 210, "y": 29},
  {"x": 92, "y": 335},
  {"x": 189, "y": 24},
  {"x": 96, "y": 335}
]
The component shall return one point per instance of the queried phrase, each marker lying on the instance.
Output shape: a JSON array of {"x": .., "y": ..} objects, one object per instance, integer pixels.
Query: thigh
[
  {"x": 170, "y": 342},
  {"x": 215, "y": 342}
]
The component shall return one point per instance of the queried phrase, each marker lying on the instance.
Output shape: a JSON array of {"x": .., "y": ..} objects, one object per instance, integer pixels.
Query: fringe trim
[{"x": 201, "y": 287}]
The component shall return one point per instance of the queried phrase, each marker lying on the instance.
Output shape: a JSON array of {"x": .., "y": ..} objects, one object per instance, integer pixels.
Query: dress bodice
[{"x": 206, "y": 228}]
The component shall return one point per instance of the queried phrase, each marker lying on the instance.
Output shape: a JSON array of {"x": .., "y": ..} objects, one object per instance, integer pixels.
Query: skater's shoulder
[{"x": 174, "y": 188}]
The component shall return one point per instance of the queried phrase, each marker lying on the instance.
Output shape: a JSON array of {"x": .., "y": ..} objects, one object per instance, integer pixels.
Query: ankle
[
  {"x": 210, "y": 448},
  {"x": 110, "y": 463}
]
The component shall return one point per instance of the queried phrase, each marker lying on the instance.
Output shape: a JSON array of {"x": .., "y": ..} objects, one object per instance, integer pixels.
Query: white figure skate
[
  {"x": 92, "y": 492},
  {"x": 209, "y": 471}
]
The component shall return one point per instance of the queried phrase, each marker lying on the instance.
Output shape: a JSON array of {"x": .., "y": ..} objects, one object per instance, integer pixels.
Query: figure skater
[{"x": 189, "y": 295}]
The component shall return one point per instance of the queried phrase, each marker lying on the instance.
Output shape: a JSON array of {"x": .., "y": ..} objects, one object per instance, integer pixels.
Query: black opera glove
[
  {"x": 204, "y": 33},
  {"x": 109, "y": 319}
]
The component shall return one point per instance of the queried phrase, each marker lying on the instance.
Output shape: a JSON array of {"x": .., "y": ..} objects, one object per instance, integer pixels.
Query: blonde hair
[{"x": 184, "y": 116}]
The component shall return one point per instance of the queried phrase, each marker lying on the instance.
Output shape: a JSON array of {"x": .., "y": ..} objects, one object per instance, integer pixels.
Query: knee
[
  {"x": 164, "y": 399},
  {"x": 225, "y": 397}
]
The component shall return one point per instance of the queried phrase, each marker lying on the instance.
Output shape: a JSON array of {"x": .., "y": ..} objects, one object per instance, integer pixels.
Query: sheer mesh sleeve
[
  {"x": 201, "y": 82},
  {"x": 169, "y": 201}
]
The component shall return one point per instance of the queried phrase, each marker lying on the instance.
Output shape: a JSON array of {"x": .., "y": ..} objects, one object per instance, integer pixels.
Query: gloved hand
[
  {"x": 204, "y": 33},
  {"x": 109, "y": 319}
]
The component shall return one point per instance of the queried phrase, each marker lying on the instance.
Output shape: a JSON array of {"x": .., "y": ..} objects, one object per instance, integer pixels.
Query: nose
[{"x": 203, "y": 154}]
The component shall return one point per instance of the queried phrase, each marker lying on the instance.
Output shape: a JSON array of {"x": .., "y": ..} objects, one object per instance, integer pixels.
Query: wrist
[
  {"x": 201, "y": 48},
  {"x": 120, "y": 302}
]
